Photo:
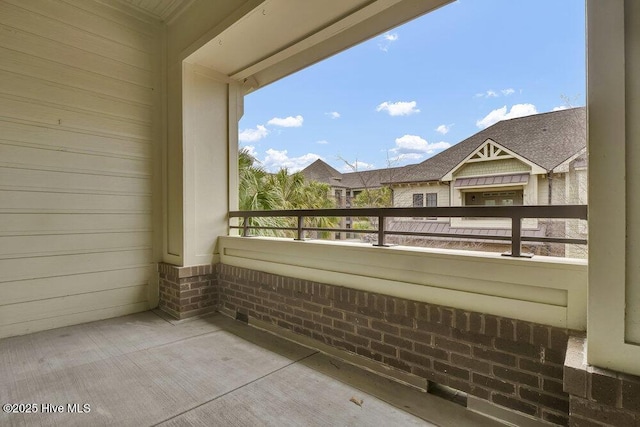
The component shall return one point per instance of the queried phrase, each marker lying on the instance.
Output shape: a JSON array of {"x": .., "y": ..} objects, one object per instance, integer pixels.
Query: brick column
[
  {"x": 187, "y": 291},
  {"x": 599, "y": 397}
]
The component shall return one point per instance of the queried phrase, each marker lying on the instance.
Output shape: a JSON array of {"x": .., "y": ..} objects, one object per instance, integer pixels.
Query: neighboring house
[{"x": 533, "y": 160}]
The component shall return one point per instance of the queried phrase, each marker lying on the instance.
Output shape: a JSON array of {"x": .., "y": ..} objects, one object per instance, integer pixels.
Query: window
[
  {"x": 418, "y": 200},
  {"x": 432, "y": 200},
  {"x": 494, "y": 198}
]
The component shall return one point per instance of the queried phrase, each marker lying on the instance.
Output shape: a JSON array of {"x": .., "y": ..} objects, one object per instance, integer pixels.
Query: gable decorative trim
[{"x": 492, "y": 151}]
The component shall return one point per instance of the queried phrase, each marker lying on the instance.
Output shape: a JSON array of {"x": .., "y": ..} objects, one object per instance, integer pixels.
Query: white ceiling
[
  {"x": 164, "y": 10},
  {"x": 282, "y": 36},
  {"x": 268, "y": 29}
]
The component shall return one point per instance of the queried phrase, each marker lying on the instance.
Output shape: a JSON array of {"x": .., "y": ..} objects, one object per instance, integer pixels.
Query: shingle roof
[
  {"x": 371, "y": 178},
  {"x": 322, "y": 172},
  {"x": 546, "y": 139}
]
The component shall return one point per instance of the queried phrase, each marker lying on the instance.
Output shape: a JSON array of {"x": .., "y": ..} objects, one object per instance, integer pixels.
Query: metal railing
[{"x": 515, "y": 213}]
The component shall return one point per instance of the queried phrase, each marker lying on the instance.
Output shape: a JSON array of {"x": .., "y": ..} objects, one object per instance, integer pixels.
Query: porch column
[
  {"x": 201, "y": 165},
  {"x": 604, "y": 386}
]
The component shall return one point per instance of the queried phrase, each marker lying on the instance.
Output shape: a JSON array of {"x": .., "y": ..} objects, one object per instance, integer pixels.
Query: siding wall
[{"x": 78, "y": 130}]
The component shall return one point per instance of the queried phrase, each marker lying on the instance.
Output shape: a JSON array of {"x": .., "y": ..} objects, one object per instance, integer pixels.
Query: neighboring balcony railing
[{"x": 515, "y": 213}]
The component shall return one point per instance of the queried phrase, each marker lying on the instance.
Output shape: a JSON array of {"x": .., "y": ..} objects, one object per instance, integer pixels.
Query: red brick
[
  {"x": 515, "y": 376},
  {"x": 418, "y": 359},
  {"x": 551, "y": 386},
  {"x": 490, "y": 325},
  {"x": 399, "y": 319},
  {"x": 462, "y": 320},
  {"x": 368, "y": 353},
  {"x": 356, "y": 319},
  {"x": 600, "y": 413},
  {"x": 474, "y": 365},
  {"x": 512, "y": 403},
  {"x": 494, "y": 384},
  {"x": 348, "y": 327},
  {"x": 311, "y": 307},
  {"x": 369, "y": 333},
  {"x": 507, "y": 329},
  {"x": 554, "y": 402},
  {"x": 554, "y": 418},
  {"x": 446, "y": 316},
  {"x": 417, "y": 336},
  {"x": 631, "y": 395},
  {"x": 451, "y": 370},
  {"x": 472, "y": 338},
  {"x": 356, "y": 339},
  {"x": 384, "y": 348},
  {"x": 541, "y": 335},
  {"x": 344, "y": 345},
  {"x": 495, "y": 356},
  {"x": 398, "y": 342},
  {"x": 434, "y": 328},
  {"x": 399, "y": 364},
  {"x": 553, "y": 371},
  {"x": 605, "y": 389},
  {"x": 384, "y": 327},
  {"x": 475, "y": 323},
  {"x": 558, "y": 339},
  {"x": 336, "y": 314},
  {"x": 431, "y": 351},
  {"x": 449, "y": 345},
  {"x": 519, "y": 348}
]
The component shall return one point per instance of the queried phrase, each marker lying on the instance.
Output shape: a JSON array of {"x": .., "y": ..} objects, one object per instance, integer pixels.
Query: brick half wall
[
  {"x": 599, "y": 397},
  {"x": 510, "y": 363},
  {"x": 187, "y": 291}
]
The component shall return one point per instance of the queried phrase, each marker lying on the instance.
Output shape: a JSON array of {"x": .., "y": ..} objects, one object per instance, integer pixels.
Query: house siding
[
  {"x": 403, "y": 196},
  {"x": 492, "y": 167},
  {"x": 78, "y": 127}
]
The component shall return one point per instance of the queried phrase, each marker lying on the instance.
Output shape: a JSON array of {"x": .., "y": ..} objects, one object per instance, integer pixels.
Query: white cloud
[
  {"x": 333, "y": 114},
  {"x": 287, "y": 122},
  {"x": 560, "y": 108},
  {"x": 276, "y": 160},
  {"x": 358, "y": 165},
  {"x": 253, "y": 135},
  {"x": 398, "y": 108},
  {"x": 408, "y": 144},
  {"x": 387, "y": 39},
  {"x": 493, "y": 94},
  {"x": 518, "y": 110},
  {"x": 322, "y": 141},
  {"x": 405, "y": 158},
  {"x": 391, "y": 37},
  {"x": 444, "y": 129}
]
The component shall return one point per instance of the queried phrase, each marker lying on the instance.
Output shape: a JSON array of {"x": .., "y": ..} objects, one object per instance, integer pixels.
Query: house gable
[{"x": 491, "y": 151}]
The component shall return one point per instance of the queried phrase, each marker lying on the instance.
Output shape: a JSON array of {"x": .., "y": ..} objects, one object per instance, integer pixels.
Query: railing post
[
  {"x": 516, "y": 236},
  {"x": 245, "y": 226},
  {"x": 300, "y": 232},
  {"x": 381, "y": 238}
]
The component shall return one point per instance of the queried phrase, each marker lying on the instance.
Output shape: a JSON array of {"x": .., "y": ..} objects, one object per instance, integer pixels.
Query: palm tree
[{"x": 260, "y": 190}]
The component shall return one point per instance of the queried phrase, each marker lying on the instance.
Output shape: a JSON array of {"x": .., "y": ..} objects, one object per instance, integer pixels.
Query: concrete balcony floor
[{"x": 145, "y": 369}]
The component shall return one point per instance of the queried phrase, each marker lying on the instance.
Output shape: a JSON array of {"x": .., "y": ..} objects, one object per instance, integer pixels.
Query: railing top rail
[{"x": 551, "y": 211}]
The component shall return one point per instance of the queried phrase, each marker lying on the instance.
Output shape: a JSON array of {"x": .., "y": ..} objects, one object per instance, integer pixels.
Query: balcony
[{"x": 119, "y": 131}]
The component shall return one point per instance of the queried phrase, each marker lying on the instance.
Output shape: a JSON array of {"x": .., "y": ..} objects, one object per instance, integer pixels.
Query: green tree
[
  {"x": 260, "y": 190},
  {"x": 373, "y": 198}
]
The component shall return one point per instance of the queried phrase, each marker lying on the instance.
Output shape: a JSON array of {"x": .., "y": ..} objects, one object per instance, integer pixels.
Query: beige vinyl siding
[
  {"x": 403, "y": 196},
  {"x": 492, "y": 167},
  {"x": 78, "y": 126}
]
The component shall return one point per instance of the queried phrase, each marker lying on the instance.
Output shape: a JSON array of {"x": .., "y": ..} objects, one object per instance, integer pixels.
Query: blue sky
[{"x": 410, "y": 93}]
